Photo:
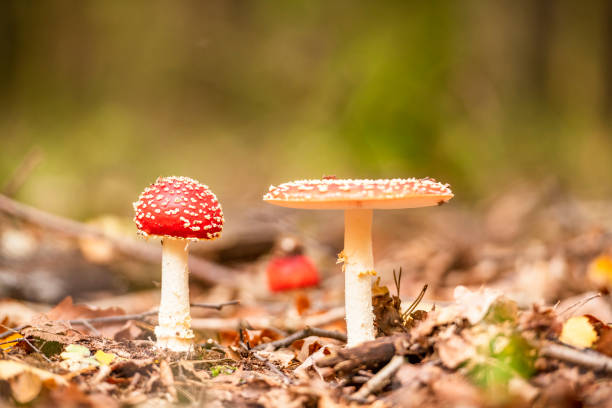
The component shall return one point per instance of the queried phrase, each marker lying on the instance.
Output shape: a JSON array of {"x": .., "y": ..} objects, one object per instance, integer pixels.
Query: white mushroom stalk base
[
  {"x": 174, "y": 328},
  {"x": 358, "y": 271}
]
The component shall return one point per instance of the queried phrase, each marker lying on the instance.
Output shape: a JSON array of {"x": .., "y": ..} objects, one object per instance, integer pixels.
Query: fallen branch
[
  {"x": 379, "y": 380},
  {"x": 262, "y": 322},
  {"x": 302, "y": 334},
  {"x": 141, "y": 316},
  {"x": 368, "y": 355},
  {"x": 88, "y": 322},
  {"x": 201, "y": 269},
  {"x": 216, "y": 306},
  {"x": 584, "y": 358}
]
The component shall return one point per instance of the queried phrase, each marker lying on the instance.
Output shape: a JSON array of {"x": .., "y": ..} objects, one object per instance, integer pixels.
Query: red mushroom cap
[
  {"x": 332, "y": 193},
  {"x": 178, "y": 207},
  {"x": 291, "y": 272}
]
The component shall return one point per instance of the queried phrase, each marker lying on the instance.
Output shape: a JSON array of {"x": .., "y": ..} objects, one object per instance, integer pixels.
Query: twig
[
  {"x": 302, "y": 334},
  {"x": 13, "y": 330},
  {"x": 415, "y": 303},
  {"x": 205, "y": 271},
  {"x": 381, "y": 379},
  {"x": 141, "y": 316},
  {"x": 112, "y": 319},
  {"x": 368, "y": 355},
  {"x": 585, "y": 358},
  {"x": 260, "y": 322},
  {"x": 397, "y": 279},
  {"x": 90, "y": 327},
  {"x": 29, "y": 343},
  {"x": 579, "y": 303},
  {"x": 12, "y": 341},
  {"x": 217, "y": 306},
  {"x": 89, "y": 322}
]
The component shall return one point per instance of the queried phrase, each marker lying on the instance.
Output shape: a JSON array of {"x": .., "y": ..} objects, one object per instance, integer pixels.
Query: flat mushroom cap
[
  {"x": 178, "y": 207},
  {"x": 343, "y": 194}
]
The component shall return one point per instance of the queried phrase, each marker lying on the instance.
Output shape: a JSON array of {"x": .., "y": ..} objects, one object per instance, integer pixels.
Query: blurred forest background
[{"x": 241, "y": 94}]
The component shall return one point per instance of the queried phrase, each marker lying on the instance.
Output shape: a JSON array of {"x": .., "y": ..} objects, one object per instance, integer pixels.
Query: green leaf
[{"x": 507, "y": 356}]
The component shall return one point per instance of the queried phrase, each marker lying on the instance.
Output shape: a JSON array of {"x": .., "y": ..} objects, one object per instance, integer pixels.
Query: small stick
[
  {"x": 302, "y": 334},
  {"x": 141, "y": 316},
  {"x": 216, "y": 306},
  {"x": 12, "y": 341},
  {"x": 579, "y": 303},
  {"x": 585, "y": 358},
  {"x": 415, "y": 303},
  {"x": 260, "y": 322},
  {"x": 29, "y": 343},
  {"x": 381, "y": 379},
  {"x": 122, "y": 318},
  {"x": 112, "y": 319},
  {"x": 90, "y": 327},
  {"x": 13, "y": 330}
]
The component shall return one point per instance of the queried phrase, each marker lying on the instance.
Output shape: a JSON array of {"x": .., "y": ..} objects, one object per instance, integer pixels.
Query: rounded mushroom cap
[
  {"x": 291, "y": 272},
  {"x": 343, "y": 194},
  {"x": 178, "y": 207}
]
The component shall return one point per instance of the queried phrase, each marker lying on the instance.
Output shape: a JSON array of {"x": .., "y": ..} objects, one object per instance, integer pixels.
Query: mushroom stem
[
  {"x": 358, "y": 270},
  {"x": 174, "y": 327}
]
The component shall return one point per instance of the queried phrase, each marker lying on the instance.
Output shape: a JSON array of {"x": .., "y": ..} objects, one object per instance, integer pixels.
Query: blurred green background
[{"x": 241, "y": 94}]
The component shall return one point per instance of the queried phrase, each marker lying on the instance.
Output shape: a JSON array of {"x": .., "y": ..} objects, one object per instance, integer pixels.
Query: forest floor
[{"x": 506, "y": 305}]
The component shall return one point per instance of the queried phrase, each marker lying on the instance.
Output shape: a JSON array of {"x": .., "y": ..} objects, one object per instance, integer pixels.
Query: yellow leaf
[
  {"x": 600, "y": 271},
  {"x": 104, "y": 358},
  {"x": 579, "y": 331},
  {"x": 10, "y": 341}
]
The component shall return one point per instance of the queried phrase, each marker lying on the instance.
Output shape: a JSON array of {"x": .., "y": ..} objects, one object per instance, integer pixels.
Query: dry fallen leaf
[
  {"x": 104, "y": 358},
  {"x": 587, "y": 332},
  {"x": 301, "y": 303},
  {"x": 282, "y": 356},
  {"x": 470, "y": 305},
  {"x": 10, "y": 369},
  {"x": 309, "y": 346},
  {"x": 68, "y": 310},
  {"x": 10, "y": 341},
  {"x": 578, "y": 331},
  {"x": 455, "y": 350}
]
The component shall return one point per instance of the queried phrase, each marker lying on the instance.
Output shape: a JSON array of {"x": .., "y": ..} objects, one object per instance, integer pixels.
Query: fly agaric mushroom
[
  {"x": 358, "y": 198},
  {"x": 291, "y": 269},
  {"x": 179, "y": 210}
]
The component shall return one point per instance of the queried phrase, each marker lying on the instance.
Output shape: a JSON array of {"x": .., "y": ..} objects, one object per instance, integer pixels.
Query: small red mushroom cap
[
  {"x": 178, "y": 207},
  {"x": 291, "y": 272}
]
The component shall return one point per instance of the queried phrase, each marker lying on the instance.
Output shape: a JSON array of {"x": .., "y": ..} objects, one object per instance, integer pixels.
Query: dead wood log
[
  {"x": 201, "y": 269},
  {"x": 369, "y": 355}
]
